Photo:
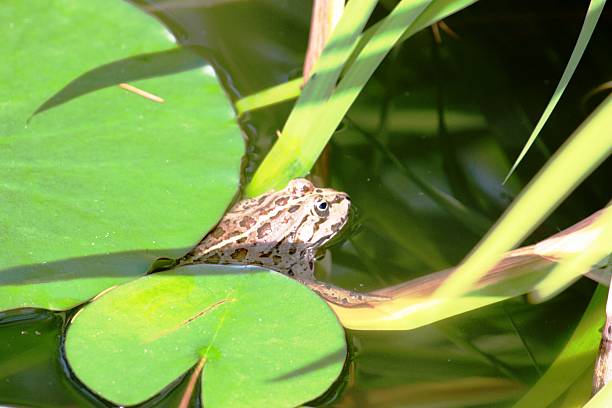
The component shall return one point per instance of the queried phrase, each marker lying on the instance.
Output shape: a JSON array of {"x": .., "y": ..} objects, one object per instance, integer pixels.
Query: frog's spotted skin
[{"x": 281, "y": 231}]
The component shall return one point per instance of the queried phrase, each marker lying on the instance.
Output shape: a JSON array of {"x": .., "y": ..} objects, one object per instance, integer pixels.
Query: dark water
[{"x": 453, "y": 115}]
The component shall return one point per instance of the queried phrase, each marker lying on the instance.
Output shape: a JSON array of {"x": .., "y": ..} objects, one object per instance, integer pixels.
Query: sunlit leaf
[
  {"x": 101, "y": 181},
  {"x": 266, "y": 339}
]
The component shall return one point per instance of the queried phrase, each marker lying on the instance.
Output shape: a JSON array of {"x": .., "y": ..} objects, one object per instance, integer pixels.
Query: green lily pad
[
  {"x": 267, "y": 340},
  {"x": 96, "y": 182}
]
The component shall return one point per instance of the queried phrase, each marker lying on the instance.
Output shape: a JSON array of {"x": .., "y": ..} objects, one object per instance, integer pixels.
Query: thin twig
[
  {"x": 192, "y": 383},
  {"x": 144, "y": 94}
]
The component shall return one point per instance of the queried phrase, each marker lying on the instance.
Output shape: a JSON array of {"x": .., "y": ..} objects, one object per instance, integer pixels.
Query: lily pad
[
  {"x": 267, "y": 340},
  {"x": 96, "y": 182}
]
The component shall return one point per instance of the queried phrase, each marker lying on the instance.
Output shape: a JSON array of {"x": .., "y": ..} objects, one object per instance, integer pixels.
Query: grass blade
[
  {"x": 412, "y": 304},
  {"x": 312, "y": 122},
  {"x": 580, "y": 391},
  {"x": 574, "y": 266},
  {"x": 582, "y": 153},
  {"x": 577, "y": 355},
  {"x": 592, "y": 16},
  {"x": 291, "y": 89},
  {"x": 601, "y": 399},
  {"x": 270, "y": 96}
]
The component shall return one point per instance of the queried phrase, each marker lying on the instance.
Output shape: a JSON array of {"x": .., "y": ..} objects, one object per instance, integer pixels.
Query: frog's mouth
[{"x": 351, "y": 226}]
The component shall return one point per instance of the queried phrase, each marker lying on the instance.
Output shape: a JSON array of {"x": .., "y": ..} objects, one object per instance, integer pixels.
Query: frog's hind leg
[
  {"x": 340, "y": 296},
  {"x": 304, "y": 273}
]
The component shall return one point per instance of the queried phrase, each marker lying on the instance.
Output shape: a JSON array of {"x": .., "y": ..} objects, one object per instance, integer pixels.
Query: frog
[{"x": 282, "y": 231}]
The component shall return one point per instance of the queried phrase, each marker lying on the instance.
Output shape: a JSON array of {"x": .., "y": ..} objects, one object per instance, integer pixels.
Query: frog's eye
[{"x": 321, "y": 207}]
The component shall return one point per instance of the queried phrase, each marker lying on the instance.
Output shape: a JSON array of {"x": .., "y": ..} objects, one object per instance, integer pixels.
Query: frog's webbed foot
[{"x": 342, "y": 297}]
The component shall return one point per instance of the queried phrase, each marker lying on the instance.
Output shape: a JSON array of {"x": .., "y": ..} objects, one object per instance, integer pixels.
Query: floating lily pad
[
  {"x": 267, "y": 340},
  {"x": 96, "y": 182}
]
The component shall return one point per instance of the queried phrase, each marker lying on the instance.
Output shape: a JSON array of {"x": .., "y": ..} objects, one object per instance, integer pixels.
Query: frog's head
[{"x": 324, "y": 212}]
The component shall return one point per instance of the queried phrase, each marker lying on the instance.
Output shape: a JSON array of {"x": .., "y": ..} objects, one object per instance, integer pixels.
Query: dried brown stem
[{"x": 325, "y": 15}]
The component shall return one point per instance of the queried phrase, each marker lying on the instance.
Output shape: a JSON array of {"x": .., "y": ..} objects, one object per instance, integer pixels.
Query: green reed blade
[
  {"x": 578, "y": 354},
  {"x": 314, "y": 119},
  {"x": 592, "y": 16},
  {"x": 590, "y": 144},
  {"x": 269, "y": 96}
]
